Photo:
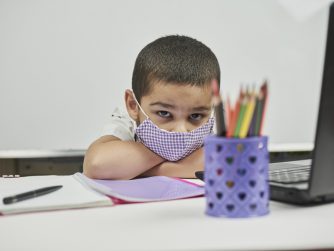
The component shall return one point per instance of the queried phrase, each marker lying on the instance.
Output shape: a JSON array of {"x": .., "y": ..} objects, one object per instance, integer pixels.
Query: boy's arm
[
  {"x": 111, "y": 158},
  {"x": 184, "y": 168}
]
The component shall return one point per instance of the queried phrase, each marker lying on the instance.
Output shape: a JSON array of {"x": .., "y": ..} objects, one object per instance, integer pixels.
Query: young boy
[{"x": 170, "y": 102}]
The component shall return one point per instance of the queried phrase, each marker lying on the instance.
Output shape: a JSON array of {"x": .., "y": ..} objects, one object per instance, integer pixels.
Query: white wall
[{"x": 64, "y": 64}]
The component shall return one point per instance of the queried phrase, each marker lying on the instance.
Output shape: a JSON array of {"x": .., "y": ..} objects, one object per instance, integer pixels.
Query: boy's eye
[
  {"x": 196, "y": 116},
  {"x": 164, "y": 114}
]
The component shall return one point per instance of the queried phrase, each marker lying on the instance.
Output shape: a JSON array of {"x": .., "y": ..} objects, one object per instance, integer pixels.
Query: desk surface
[{"x": 172, "y": 225}]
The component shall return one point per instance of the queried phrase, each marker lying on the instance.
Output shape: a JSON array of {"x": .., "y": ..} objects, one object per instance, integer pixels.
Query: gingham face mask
[{"x": 171, "y": 146}]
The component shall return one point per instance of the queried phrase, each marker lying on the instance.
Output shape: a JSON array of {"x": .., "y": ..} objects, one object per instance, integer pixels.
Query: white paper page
[{"x": 73, "y": 194}]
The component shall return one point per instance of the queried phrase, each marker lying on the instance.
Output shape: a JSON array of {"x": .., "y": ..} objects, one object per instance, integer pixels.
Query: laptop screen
[{"x": 322, "y": 176}]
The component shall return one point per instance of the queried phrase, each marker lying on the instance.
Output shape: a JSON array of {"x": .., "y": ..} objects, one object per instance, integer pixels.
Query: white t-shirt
[{"x": 120, "y": 125}]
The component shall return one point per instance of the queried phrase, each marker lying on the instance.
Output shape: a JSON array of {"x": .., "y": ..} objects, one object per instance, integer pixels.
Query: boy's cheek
[{"x": 140, "y": 119}]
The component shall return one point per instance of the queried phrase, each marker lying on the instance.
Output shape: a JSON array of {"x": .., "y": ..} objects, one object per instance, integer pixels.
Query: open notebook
[{"x": 78, "y": 191}]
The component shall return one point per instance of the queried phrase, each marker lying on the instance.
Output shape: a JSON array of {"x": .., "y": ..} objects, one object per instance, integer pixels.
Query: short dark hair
[{"x": 174, "y": 59}]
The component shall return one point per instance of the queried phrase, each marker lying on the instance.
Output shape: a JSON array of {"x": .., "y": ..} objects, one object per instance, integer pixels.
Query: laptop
[{"x": 308, "y": 182}]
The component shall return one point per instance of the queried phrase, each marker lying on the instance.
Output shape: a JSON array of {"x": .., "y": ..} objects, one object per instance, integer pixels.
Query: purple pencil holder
[{"x": 236, "y": 176}]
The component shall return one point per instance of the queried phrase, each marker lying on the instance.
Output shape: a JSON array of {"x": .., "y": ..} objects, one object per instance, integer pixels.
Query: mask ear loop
[
  {"x": 141, "y": 109},
  {"x": 212, "y": 115}
]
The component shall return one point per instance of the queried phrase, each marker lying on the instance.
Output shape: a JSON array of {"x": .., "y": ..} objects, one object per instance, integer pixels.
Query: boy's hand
[{"x": 184, "y": 168}]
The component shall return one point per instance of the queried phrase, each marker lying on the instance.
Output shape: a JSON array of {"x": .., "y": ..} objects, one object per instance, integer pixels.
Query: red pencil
[{"x": 235, "y": 115}]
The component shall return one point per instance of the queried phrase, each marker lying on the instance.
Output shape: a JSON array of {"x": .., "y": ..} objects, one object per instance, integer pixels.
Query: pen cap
[{"x": 236, "y": 176}]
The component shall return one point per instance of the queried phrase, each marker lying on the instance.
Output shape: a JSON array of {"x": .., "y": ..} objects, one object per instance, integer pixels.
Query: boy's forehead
[{"x": 180, "y": 94}]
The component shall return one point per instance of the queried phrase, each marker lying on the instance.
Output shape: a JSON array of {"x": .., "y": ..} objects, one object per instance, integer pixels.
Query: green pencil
[
  {"x": 240, "y": 117},
  {"x": 259, "y": 115}
]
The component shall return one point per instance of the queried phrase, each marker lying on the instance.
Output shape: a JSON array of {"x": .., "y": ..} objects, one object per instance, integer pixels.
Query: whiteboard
[{"x": 64, "y": 65}]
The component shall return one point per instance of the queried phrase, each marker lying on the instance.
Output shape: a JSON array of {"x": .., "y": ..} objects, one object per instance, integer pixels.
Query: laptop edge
[{"x": 320, "y": 188}]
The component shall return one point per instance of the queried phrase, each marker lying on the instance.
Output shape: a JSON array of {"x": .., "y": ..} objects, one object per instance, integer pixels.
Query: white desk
[{"x": 173, "y": 225}]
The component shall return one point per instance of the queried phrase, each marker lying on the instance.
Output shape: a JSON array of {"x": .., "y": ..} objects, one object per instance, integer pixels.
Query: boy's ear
[{"x": 131, "y": 105}]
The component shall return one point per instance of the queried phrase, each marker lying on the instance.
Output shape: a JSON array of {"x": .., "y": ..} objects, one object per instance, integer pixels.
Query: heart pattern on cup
[
  {"x": 242, "y": 196},
  {"x": 253, "y": 206},
  {"x": 230, "y": 183},
  {"x": 211, "y": 182},
  {"x": 219, "y": 148},
  {"x": 230, "y": 207},
  {"x": 219, "y": 171},
  {"x": 252, "y": 183},
  {"x": 241, "y": 172},
  {"x": 219, "y": 195},
  {"x": 252, "y": 159},
  {"x": 229, "y": 160},
  {"x": 240, "y": 147},
  {"x": 235, "y": 180}
]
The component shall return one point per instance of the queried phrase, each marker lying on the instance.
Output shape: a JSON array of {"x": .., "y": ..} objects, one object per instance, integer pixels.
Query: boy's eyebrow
[
  {"x": 165, "y": 105},
  {"x": 202, "y": 108}
]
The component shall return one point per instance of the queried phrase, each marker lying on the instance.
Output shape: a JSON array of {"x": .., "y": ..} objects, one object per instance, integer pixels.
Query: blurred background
[{"x": 64, "y": 65}]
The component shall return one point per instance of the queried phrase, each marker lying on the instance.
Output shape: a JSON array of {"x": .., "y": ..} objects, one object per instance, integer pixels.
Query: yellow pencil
[
  {"x": 248, "y": 116},
  {"x": 241, "y": 116}
]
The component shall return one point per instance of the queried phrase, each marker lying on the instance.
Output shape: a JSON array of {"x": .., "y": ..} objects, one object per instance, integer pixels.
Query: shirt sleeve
[{"x": 120, "y": 125}]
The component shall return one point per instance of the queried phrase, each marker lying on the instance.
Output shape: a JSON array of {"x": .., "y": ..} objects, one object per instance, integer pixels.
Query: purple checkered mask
[{"x": 171, "y": 146}]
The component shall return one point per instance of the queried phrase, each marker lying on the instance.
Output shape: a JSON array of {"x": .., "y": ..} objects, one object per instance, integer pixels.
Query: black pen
[
  {"x": 30, "y": 194},
  {"x": 199, "y": 175}
]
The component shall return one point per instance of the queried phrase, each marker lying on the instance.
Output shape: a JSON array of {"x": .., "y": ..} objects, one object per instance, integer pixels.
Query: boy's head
[
  {"x": 174, "y": 59},
  {"x": 172, "y": 82}
]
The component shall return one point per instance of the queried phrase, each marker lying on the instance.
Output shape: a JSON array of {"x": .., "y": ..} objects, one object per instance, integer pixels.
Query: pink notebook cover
[{"x": 156, "y": 188}]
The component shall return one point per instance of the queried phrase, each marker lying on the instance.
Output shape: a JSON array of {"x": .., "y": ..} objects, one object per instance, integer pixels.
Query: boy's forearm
[
  {"x": 116, "y": 159},
  {"x": 184, "y": 168}
]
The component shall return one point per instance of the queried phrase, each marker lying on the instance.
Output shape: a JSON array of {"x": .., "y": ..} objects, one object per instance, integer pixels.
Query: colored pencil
[
  {"x": 252, "y": 131},
  {"x": 227, "y": 113},
  {"x": 235, "y": 115},
  {"x": 264, "y": 89},
  {"x": 249, "y": 110},
  {"x": 246, "y": 117},
  {"x": 241, "y": 114},
  {"x": 219, "y": 110}
]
